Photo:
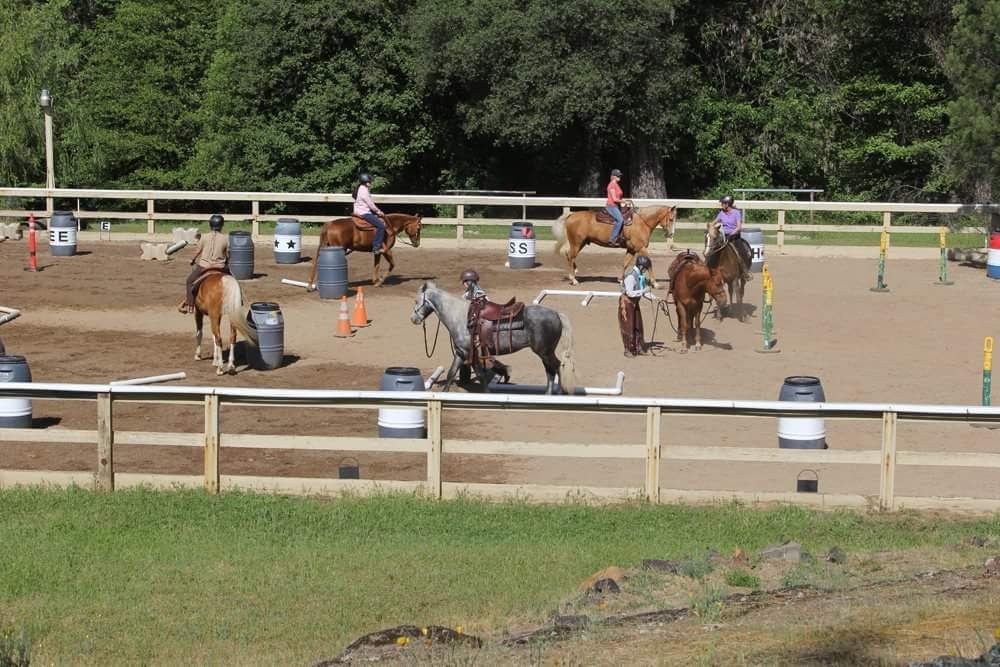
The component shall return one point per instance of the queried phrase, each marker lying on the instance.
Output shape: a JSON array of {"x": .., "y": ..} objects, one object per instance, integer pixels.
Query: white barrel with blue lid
[
  {"x": 62, "y": 234},
  {"x": 402, "y": 422},
  {"x": 14, "y": 412},
  {"x": 802, "y": 432},
  {"x": 287, "y": 241}
]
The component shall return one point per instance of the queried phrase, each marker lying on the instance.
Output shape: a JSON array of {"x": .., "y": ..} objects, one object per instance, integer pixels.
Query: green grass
[
  {"x": 742, "y": 579},
  {"x": 171, "y": 577}
]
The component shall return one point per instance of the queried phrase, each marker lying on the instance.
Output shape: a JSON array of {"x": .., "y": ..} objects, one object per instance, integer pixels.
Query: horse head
[
  {"x": 716, "y": 288},
  {"x": 666, "y": 217},
  {"x": 713, "y": 236},
  {"x": 424, "y": 306},
  {"x": 412, "y": 227}
]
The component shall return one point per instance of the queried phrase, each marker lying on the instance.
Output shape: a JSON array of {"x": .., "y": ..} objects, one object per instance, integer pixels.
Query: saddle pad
[{"x": 204, "y": 276}]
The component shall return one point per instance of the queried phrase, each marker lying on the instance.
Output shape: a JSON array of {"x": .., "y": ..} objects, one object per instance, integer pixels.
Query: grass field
[{"x": 180, "y": 577}]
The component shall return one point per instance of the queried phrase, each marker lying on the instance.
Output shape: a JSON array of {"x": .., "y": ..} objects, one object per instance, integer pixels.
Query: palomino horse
[
  {"x": 722, "y": 254},
  {"x": 577, "y": 230},
  {"x": 344, "y": 232},
  {"x": 221, "y": 298},
  {"x": 690, "y": 280},
  {"x": 547, "y": 332}
]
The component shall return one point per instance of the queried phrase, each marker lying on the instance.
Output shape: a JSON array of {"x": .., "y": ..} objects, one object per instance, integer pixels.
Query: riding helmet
[
  {"x": 727, "y": 200},
  {"x": 365, "y": 177},
  {"x": 616, "y": 172},
  {"x": 643, "y": 263},
  {"x": 470, "y": 275},
  {"x": 215, "y": 222}
]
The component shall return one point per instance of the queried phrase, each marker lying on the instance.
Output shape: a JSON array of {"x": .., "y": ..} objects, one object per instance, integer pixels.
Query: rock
[
  {"x": 989, "y": 659},
  {"x": 992, "y": 566},
  {"x": 570, "y": 622},
  {"x": 606, "y": 586},
  {"x": 836, "y": 556},
  {"x": 790, "y": 551},
  {"x": 665, "y": 566},
  {"x": 978, "y": 541},
  {"x": 613, "y": 572}
]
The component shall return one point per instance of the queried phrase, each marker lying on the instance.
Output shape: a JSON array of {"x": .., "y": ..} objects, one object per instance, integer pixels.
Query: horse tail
[
  {"x": 567, "y": 362},
  {"x": 559, "y": 230},
  {"x": 232, "y": 309}
]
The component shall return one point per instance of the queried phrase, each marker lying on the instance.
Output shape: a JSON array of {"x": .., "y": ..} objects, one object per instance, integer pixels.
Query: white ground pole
[
  {"x": 501, "y": 388},
  {"x": 8, "y": 314},
  {"x": 297, "y": 283},
  {"x": 175, "y": 247},
  {"x": 587, "y": 295},
  {"x": 151, "y": 379}
]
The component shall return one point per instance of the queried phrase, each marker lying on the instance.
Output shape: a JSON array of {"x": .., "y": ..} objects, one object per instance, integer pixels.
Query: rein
[{"x": 430, "y": 353}]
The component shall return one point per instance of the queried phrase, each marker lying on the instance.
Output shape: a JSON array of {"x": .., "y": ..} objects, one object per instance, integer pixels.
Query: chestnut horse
[
  {"x": 345, "y": 233},
  {"x": 690, "y": 280},
  {"x": 723, "y": 254},
  {"x": 221, "y": 298},
  {"x": 579, "y": 229}
]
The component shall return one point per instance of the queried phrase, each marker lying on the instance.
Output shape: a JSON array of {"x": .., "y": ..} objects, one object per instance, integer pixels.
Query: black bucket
[{"x": 807, "y": 485}]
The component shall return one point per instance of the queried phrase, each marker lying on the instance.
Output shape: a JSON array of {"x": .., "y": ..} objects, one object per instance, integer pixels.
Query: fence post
[
  {"x": 105, "y": 444},
  {"x": 887, "y": 482},
  {"x": 653, "y": 455},
  {"x": 434, "y": 448},
  {"x": 255, "y": 220},
  {"x": 781, "y": 232},
  {"x": 212, "y": 444},
  {"x": 460, "y": 227},
  {"x": 150, "y": 222}
]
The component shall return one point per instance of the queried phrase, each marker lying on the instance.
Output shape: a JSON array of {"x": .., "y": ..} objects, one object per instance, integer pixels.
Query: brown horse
[
  {"x": 690, "y": 280},
  {"x": 723, "y": 254},
  {"x": 344, "y": 232},
  {"x": 577, "y": 230},
  {"x": 221, "y": 298}
]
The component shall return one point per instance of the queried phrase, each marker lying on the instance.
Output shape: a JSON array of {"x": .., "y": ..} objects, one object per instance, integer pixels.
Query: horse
[
  {"x": 577, "y": 230},
  {"x": 221, "y": 298},
  {"x": 548, "y": 333},
  {"x": 690, "y": 280},
  {"x": 722, "y": 254},
  {"x": 344, "y": 232}
]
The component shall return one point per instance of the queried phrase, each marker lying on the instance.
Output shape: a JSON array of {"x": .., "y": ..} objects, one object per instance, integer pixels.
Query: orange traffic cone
[
  {"x": 359, "y": 318},
  {"x": 343, "y": 321}
]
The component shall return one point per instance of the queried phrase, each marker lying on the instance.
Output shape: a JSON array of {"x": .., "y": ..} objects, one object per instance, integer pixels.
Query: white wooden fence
[
  {"x": 653, "y": 451},
  {"x": 460, "y": 202}
]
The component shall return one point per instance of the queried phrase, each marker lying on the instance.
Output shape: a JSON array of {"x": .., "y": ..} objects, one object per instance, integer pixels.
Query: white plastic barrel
[
  {"x": 802, "y": 432},
  {"x": 402, "y": 422},
  {"x": 14, "y": 412}
]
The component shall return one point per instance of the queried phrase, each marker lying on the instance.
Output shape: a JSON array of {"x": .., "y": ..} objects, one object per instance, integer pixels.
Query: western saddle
[
  {"x": 682, "y": 260},
  {"x": 604, "y": 217},
  {"x": 488, "y": 321}
]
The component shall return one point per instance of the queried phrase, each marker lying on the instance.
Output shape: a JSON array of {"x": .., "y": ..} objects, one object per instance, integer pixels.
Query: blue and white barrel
[
  {"x": 802, "y": 432},
  {"x": 402, "y": 422},
  {"x": 266, "y": 318},
  {"x": 521, "y": 246},
  {"x": 993, "y": 257},
  {"x": 241, "y": 255},
  {"x": 331, "y": 272},
  {"x": 755, "y": 237},
  {"x": 62, "y": 234},
  {"x": 14, "y": 412},
  {"x": 287, "y": 241}
]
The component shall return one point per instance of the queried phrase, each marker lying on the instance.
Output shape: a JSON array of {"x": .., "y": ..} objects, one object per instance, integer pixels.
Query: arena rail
[
  {"x": 652, "y": 451},
  {"x": 255, "y": 217}
]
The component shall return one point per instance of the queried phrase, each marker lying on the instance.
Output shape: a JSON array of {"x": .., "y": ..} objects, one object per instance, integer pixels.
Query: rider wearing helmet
[
  {"x": 212, "y": 253},
  {"x": 470, "y": 281},
  {"x": 365, "y": 208},
  {"x": 731, "y": 219},
  {"x": 634, "y": 287},
  {"x": 613, "y": 205}
]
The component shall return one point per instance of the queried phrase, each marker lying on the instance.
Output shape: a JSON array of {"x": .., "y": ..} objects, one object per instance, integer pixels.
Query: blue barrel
[
  {"x": 755, "y": 237},
  {"x": 402, "y": 422},
  {"x": 802, "y": 432},
  {"x": 331, "y": 280},
  {"x": 266, "y": 318},
  {"x": 62, "y": 234},
  {"x": 241, "y": 255},
  {"x": 521, "y": 246},
  {"x": 14, "y": 412},
  {"x": 993, "y": 257},
  {"x": 287, "y": 241}
]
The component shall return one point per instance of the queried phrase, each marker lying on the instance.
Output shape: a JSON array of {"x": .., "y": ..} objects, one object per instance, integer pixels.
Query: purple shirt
[
  {"x": 730, "y": 220},
  {"x": 363, "y": 203}
]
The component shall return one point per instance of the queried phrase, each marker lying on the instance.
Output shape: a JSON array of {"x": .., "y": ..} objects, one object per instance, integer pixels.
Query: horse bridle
[
  {"x": 715, "y": 251},
  {"x": 418, "y": 310}
]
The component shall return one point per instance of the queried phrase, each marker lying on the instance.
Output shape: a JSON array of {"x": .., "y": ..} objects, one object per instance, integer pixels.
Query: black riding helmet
[
  {"x": 215, "y": 223},
  {"x": 470, "y": 275},
  {"x": 365, "y": 177},
  {"x": 727, "y": 200},
  {"x": 643, "y": 263}
]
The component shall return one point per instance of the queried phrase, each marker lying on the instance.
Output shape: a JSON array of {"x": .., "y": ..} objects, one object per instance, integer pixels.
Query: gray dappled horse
[{"x": 547, "y": 332}]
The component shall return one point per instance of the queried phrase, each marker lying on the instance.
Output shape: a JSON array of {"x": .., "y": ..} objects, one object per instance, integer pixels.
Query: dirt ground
[{"x": 104, "y": 314}]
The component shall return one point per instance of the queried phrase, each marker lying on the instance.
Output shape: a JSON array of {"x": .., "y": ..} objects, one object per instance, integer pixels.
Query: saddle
[
  {"x": 488, "y": 321},
  {"x": 204, "y": 276},
  {"x": 682, "y": 260},
  {"x": 362, "y": 224},
  {"x": 604, "y": 217}
]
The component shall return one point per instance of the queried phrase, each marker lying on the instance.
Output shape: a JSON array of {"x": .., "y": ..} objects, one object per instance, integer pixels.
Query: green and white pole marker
[
  {"x": 767, "y": 316},
  {"x": 943, "y": 268},
  {"x": 880, "y": 285},
  {"x": 987, "y": 369}
]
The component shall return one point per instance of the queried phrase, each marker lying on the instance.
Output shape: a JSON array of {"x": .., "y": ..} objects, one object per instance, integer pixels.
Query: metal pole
[
  {"x": 767, "y": 316},
  {"x": 987, "y": 369},
  {"x": 50, "y": 173},
  {"x": 943, "y": 262},
  {"x": 880, "y": 285}
]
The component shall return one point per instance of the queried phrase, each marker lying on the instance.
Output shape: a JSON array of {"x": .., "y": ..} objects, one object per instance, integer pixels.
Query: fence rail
[
  {"x": 652, "y": 451},
  {"x": 255, "y": 199}
]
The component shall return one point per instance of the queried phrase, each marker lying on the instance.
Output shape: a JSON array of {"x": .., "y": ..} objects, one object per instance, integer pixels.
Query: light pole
[{"x": 45, "y": 102}]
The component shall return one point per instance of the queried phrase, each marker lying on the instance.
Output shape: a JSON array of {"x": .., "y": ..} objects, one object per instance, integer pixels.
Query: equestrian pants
[
  {"x": 193, "y": 276},
  {"x": 616, "y": 213},
  {"x": 379, "y": 231},
  {"x": 630, "y": 325}
]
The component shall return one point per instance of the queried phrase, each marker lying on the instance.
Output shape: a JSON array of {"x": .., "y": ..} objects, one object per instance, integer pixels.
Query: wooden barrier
[{"x": 652, "y": 451}]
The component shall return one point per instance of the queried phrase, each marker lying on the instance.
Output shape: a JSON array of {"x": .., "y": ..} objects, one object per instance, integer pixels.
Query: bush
[{"x": 742, "y": 579}]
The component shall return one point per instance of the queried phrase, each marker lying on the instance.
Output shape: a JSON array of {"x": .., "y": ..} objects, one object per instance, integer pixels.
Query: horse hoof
[
  {"x": 697, "y": 348},
  {"x": 684, "y": 350}
]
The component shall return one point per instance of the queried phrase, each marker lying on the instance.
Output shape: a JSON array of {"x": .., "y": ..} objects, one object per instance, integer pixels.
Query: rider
[
  {"x": 732, "y": 224},
  {"x": 212, "y": 253},
  {"x": 470, "y": 281},
  {"x": 613, "y": 204},
  {"x": 634, "y": 287},
  {"x": 365, "y": 208}
]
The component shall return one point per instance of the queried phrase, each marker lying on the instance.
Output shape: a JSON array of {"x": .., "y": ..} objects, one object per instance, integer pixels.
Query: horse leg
[
  {"x": 739, "y": 296},
  {"x": 456, "y": 362},
  {"x": 551, "y": 363},
  {"x": 697, "y": 328},
  {"x": 571, "y": 252},
  {"x": 682, "y": 326},
  {"x": 629, "y": 257},
  {"x": 312, "y": 275},
  {"x": 199, "y": 321},
  {"x": 217, "y": 343},
  {"x": 232, "y": 350}
]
